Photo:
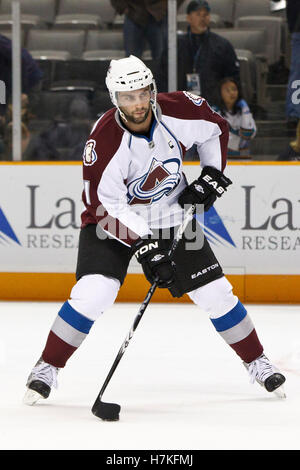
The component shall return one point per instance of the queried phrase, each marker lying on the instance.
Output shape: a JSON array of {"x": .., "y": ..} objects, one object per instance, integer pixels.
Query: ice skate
[
  {"x": 40, "y": 381},
  {"x": 264, "y": 373}
]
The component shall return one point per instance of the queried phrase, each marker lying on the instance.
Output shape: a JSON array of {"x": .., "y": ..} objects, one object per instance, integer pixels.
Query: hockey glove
[
  {"x": 155, "y": 261},
  {"x": 211, "y": 184}
]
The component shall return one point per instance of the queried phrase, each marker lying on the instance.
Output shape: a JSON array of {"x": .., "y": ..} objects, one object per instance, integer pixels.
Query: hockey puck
[{"x": 106, "y": 411}]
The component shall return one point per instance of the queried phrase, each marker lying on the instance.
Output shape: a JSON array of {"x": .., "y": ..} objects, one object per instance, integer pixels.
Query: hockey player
[{"x": 134, "y": 195}]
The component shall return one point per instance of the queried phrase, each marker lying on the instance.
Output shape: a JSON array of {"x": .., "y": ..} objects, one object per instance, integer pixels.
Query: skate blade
[
  {"x": 31, "y": 397},
  {"x": 279, "y": 392}
]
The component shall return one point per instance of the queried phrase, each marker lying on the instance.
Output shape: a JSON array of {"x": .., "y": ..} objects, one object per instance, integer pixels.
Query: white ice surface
[{"x": 179, "y": 385}]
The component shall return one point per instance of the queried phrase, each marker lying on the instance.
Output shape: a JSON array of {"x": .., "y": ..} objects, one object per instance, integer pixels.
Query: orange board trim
[
  {"x": 251, "y": 288},
  {"x": 187, "y": 163}
]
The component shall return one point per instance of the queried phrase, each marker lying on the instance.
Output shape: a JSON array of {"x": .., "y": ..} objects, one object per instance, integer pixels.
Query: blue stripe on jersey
[
  {"x": 150, "y": 138},
  {"x": 231, "y": 318},
  {"x": 75, "y": 319}
]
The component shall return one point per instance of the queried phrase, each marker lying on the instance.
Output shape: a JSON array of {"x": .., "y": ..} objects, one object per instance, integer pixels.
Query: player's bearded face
[{"x": 135, "y": 104}]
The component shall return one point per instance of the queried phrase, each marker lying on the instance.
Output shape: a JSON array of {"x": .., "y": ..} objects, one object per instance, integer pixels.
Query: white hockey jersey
[{"x": 132, "y": 182}]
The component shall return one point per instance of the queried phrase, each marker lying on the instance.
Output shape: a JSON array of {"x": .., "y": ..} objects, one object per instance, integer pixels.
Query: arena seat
[
  {"x": 273, "y": 28},
  {"x": 223, "y": 8},
  {"x": 103, "y": 54},
  {"x": 82, "y": 21},
  {"x": 254, "y": 41},
  {"x": 50, "y": 55},
  {"x": 88, "y": 72},
  {"x": 73, "y": 71},
  {"x": 250, "y": 39},
  {"x": 104, "y": 40},
  {"x": 26, "y": 21},
  {"x": 247, "y": 74},
  {"x": 87, "y": 13},
  {"x": 107, "y": 11},
  {"x": 65, "y": 43},
  {"x": 250, "y": 8},
  {"x": 33, "y": 13}
]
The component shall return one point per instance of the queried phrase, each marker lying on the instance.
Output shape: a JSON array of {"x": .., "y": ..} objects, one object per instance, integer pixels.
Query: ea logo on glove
[{"x": 214, "y": 184}]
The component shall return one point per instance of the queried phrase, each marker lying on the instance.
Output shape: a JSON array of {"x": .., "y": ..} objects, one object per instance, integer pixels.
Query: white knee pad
[
  {"x": 216, "y": 298},
  {"x": 93, "y": 294}
]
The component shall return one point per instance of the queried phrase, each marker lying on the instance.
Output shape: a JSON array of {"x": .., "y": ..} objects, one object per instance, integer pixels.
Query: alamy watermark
[
  {"x": 2, "y": 92},
  {"x": 116, "y": 227}
]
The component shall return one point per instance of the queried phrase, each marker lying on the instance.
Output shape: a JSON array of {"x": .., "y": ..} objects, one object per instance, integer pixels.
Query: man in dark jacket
[
  {"x": 145, "y": 21},
  {"x": 203, "y": 57}
]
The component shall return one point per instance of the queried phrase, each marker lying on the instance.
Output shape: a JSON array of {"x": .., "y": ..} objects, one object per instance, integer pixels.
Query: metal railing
[{"x": 16, "y": 79}]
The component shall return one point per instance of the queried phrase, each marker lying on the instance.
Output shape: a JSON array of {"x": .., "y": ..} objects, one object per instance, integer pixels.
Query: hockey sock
[
  {"x": 237, "y": 329},
  {"x": 229, "y": 317},
  {"x": 67, "y": 333}
]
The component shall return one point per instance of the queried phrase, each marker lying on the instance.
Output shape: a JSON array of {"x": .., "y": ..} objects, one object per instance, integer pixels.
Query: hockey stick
[{"x": 110, "y": 411}]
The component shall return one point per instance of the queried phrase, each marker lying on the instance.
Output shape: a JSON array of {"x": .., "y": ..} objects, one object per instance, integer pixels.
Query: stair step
[
  {"x": 276, "y": 92},
  {"x": 269, "y": 128},
  {"x": 269, "y": 145},
  {"x": 272, "y": 111}
]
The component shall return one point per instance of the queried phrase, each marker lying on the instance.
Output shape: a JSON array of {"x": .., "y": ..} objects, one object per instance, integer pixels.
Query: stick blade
[{"x": 106, "y": 411}]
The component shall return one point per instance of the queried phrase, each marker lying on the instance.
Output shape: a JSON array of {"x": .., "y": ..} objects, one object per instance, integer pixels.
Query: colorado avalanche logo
[
  {"x": 160, "y": 180},
  {"x": 197, "y": 100},
  {"x": 89, "y": 154}
]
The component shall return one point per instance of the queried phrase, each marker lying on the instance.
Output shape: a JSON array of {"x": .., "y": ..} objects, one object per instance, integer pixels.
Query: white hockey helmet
[{"x": 129, "y": 74}]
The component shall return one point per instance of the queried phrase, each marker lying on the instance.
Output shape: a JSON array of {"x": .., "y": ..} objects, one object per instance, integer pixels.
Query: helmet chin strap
[
  {"x": 153, "y": 100},
  {"x": 121, "y": 114}
]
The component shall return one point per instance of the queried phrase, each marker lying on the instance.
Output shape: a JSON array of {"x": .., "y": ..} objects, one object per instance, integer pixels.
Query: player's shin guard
[
  {"x": 229, "y": 317},
  {"x": 68, "y": 331}
]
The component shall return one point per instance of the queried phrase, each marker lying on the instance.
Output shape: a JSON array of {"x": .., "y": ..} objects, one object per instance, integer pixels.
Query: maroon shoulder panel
[
  {"x": 100, "y": 148},
  {"x": 107, "y": 136}
]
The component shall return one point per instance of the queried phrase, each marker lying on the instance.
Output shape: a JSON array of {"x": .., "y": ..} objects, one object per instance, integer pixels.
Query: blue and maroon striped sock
[
  {"x": 237, "y": 329},
  {"x": 67, "y": 333}
]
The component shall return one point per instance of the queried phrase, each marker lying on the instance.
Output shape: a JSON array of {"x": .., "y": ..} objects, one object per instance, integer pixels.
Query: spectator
[
  {"x": 7, "y": 118},
  {"x": 63, "y": 140},
  {"x": 204, "y": 58},
  {"x": 145, "y": 20},
  {"x": 292, "y": 97},
  {"x": 26, "y": 115},
  {"x": 31, "y": 74},
  {"x": 235, "y": 110},
  {"x": 8, "y": 141},
  {"x": 292, "y": 152}
]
